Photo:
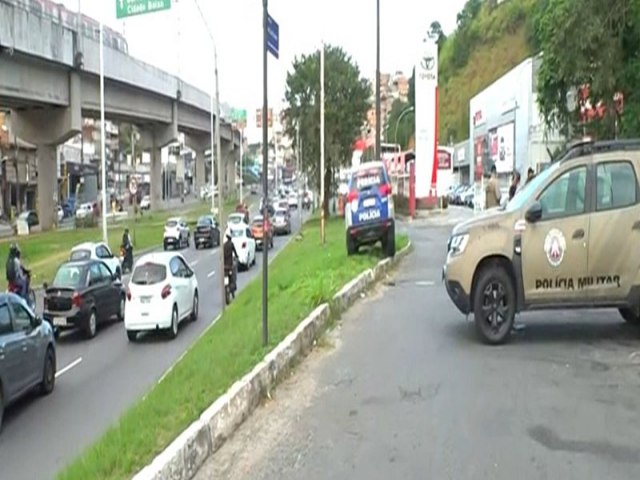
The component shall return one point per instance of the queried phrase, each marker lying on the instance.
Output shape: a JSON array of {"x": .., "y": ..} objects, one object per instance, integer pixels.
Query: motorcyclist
[
  {"x": 127, "y": 247},
  {"x": 16, "y": 273},
  {"x": 230, "y": 253}
]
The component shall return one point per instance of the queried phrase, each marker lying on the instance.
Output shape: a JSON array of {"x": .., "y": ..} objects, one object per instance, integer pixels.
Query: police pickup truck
[{"x": 369, "y": 212}]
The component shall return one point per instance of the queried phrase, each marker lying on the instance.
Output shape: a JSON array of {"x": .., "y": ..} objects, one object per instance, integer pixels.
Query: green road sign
[
  {"x": 129, "y": 8},
  {"x": 238, "y": 115}
]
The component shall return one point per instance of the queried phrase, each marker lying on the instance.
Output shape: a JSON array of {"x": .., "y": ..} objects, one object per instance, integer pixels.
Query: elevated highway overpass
[{"x": 49, "y": 79}]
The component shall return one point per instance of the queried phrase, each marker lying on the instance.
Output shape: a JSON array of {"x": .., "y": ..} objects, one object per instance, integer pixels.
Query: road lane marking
[
  {"x": 425, "y": 283},
  {"x": 75, "y": 363},
  {"x": 211, "y": 274},
  {"x": 194, "y": 263}
]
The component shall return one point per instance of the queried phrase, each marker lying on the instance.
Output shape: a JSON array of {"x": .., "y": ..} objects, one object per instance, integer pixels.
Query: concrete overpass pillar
[
  {"x": 47, "y": 129},
  {"x": 156, "y": 178},
  {"x": 47, "y": 179},
  {"x": 200, "y": 144},
  {"x": 154, "y": 140},
  {"x": 229, "y": 164}
]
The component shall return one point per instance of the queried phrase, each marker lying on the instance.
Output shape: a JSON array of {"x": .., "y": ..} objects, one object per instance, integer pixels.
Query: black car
[
  {"x": 207, "y": 232},
  {"x": 83, "y": 293}
]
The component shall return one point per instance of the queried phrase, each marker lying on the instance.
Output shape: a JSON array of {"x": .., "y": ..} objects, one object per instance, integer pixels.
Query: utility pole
[
  {"x": 322, "y": 199},
  {"x": 378, "y": 107},
  {"x": 265, "y": 173},
  {"x": 103, "y": 146}
]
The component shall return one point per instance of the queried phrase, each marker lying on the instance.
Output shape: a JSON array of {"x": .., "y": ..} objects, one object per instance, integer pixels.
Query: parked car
[
  {"x": 292, "y": 200},
  {"x": 207, "y": 232},
  {"x": 245, "y": 245},
  {"x": 262, "y": 232},
  {"x": 97, "y": 251},
  {"x": 282, "y": 222},
  {"x": 27, "y": 352},
  {"x": 176, "y": 233},
  {"x": 29, "y": 216},
  {"x": 163, "y": 291},
  {"x": 145, "y": 203},
  {"x": 83, "y": 294},
  {"x": 84, "y": 210},
  {"x": 60, "y": 213}
]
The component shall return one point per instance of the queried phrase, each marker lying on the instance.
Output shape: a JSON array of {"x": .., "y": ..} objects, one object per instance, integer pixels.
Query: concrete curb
[{"x": 182, "y": 459}]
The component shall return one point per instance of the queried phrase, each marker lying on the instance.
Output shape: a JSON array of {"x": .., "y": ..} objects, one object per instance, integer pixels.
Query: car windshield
[
  {"x": 171, "y": 224},
  {"x": 366, "y": 178},
  {"x": 204, "y": 221},
  {"x": 80, "y": 254},
  {"x": 149, "y": 274},
  {"x": 235, "y": 218},
  {"x": 524, "y": 195},
  {"x": 68, "y": 276}
]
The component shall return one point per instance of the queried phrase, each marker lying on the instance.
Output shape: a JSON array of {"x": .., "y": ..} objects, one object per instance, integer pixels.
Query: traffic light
[{"x": 259, "y": 118}]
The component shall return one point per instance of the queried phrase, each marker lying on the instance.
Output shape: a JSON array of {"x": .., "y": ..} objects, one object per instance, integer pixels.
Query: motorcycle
[
  {"x": 126, "y": 258},
  {"x": 229, "y": 284},
  {"x": 31, "y": 294}
]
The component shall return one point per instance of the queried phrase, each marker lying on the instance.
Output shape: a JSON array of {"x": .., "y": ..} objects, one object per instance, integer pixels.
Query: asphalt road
[
  {"x": 99, "y": 378},
  {"x": 402, "y": 389}
]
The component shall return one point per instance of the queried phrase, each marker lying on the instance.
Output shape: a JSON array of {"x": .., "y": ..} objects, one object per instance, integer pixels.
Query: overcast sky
[{"x": 177, "y": 40}]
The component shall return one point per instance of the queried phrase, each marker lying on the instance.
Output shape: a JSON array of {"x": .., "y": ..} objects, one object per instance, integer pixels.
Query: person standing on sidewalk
[{"x": 492, "y": 190}]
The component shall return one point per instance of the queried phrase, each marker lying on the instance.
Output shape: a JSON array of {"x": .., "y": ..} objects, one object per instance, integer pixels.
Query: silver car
[{"x": 27, "y": 351}]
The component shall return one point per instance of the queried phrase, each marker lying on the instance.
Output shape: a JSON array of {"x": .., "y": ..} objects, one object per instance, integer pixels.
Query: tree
[
  {"x": 435, "y": 29},
  {"x": 594, "y": 43},
  {"x": 346, "y": 104}
]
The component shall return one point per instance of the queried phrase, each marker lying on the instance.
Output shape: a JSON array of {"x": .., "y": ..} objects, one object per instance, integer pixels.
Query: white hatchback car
[
  {"x": 176, "y": 233},
  {"x": 162, "y": 292},
  {"x": 97, "y": 251},
  {"x": 245, "y": 244}
]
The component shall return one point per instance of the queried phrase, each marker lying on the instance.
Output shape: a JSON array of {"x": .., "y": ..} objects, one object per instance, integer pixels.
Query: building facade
[{"x": 506, "y": 128}]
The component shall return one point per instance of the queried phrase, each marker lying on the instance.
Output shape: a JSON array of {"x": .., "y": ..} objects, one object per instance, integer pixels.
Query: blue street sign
[{"x": 273, "y": 37}]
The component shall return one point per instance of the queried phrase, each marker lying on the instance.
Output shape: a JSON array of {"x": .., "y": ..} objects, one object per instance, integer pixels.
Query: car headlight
[{"x": 458, "y": 243}]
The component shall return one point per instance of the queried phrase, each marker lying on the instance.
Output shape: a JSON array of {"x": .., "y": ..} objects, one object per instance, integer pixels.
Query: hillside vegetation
[{"x": 489, "y": 41}]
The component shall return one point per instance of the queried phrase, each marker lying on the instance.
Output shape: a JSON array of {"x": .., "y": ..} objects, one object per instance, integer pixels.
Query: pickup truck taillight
[
  {"x": 352, "y": 195},
  {"x": 385, "y": 190}
]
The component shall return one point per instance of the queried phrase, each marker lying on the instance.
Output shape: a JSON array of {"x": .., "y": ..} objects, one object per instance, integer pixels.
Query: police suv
[{"x": 369, "y": 212}]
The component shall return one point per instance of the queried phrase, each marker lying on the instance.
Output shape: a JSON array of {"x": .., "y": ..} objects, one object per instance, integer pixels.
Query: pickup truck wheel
[
  {"x": 352, "y": 248},
  {"x": 389, "y": 243},
  {"x": 631, "y": 316},
  {"x": 494, "y": 304}
]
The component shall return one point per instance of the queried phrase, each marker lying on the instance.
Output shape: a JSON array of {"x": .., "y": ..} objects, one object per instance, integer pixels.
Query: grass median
[
  {"x": 302, "y": 277},
  {"x": 43, "y": 252}
]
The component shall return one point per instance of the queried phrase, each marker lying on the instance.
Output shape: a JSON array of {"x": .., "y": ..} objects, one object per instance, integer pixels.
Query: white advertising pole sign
[{"x": 426, "y": 84}]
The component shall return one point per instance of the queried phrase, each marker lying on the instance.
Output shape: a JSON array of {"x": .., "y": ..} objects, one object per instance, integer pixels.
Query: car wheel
[
  {"x": 352, "y": 248},
  {"x": 132, "y": 335},
  {"x": 173, "y": 329},
  {"x": 195, "y": 307},
  {"x": 120, "y": 314},
  {"x": 494, "y": 304},
  {"x": 166, "y": 247},
  {"x": 49, "y": 373},
  {"x": 91, "y": 327},
  {"x": 631, "y": 315}
]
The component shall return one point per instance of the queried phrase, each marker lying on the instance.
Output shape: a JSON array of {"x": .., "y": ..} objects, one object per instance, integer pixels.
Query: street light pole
[
  {"x": 103, "y": 145},
  {"x": 241, "y": 165},
  {"x": 322, "y": 199},
  {"x": 219, "y": 155},
  {"x": 378, "y": 107},
  {"x": 265, "y": 174},
  {"x": 402, "y": 114}
]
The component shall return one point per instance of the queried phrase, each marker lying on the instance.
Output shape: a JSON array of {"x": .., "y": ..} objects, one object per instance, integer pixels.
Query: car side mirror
[
  {"x": 37, "y": 321},
  {"x": 534, "y": 213},
  {"x": 45, "y": 285}
]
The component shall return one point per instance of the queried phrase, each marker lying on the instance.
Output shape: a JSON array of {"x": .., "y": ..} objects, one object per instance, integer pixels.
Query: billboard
[
  {"x": 426, "y": 118},
  {"x": 444, "y": 159},
  {"x": 505, "y": 141}
]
